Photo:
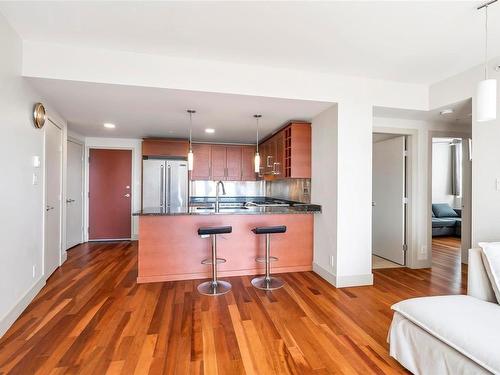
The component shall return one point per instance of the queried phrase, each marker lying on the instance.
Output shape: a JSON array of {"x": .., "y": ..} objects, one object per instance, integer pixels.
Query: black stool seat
[
  {"x": 269, "y": 230},
  {"x": 215, "y": 230}
]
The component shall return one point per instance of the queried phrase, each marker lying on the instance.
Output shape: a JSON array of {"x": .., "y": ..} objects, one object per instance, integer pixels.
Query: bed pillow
[
  {"x": 443, "y": 210},
  {"x": 491, "y": 260}
]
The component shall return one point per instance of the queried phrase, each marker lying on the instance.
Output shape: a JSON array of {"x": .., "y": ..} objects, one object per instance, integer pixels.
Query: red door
[{"x": 110, "y": 181}]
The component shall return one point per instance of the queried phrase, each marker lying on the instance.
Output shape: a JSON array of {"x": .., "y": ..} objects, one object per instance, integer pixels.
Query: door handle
[
  {"x": 162, "y": 178},
  {"x": 70, "y": 200},
  {"x": 127, "y": 195},
  {"x": 48, "y": 208}
]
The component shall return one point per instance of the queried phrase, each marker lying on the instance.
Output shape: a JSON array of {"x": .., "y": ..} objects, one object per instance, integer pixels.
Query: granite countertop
[{"x": 205, "y": 206}]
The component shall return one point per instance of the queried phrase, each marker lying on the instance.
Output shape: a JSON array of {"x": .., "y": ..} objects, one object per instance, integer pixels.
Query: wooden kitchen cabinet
[
  {"x": 218, "y": 162},
  {"x": 165, "y": 147},
  {"x": 233, "y": 163},
  {"x": 247, "y": 163},
  {"x": 298, "y": 149},
  {"x": 201, "y": 162},
  {"x": 287, "y": 154}
]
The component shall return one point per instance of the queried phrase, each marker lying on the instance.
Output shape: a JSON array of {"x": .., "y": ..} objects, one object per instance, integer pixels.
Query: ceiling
[
  {"x": 141, "y": 112},
  {"x": 461, "y": 113},
  {"x": 408, "y": 41}
]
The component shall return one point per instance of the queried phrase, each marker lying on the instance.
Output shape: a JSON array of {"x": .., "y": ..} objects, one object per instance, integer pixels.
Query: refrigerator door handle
[
  {"x": 162, "y": 187},
  {"x": 169, "y": 182}
]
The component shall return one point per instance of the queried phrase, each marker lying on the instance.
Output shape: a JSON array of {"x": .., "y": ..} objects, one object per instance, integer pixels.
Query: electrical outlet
[
  {"x": 34, "y": 271},
  {"x": 332, "y": 261}
]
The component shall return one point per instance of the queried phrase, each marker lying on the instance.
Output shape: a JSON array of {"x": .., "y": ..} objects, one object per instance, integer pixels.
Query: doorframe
[
  {"x": 442, "y": 134},
  {"x": 87, "y": 185},
  {"x": 62, "y": 198},
  {"x": 411, "y": 187},
  {"x": 79, "y": 142}
]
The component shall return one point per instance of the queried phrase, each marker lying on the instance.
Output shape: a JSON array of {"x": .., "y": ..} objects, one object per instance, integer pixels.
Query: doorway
[
  {"x": 389, "y": 201},
  {"x": 450, "y": 207},
  {"x": 53, "y": 196},
  {"x": 74, "y": 200},
  {"x": 110, "y": 181}
]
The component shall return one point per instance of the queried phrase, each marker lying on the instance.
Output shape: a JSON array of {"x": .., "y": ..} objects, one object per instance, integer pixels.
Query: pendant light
[
  {"x": 257, "y": 156},
  {"x": 486, "y": 96},
  {"x": 190, "y": 153}
]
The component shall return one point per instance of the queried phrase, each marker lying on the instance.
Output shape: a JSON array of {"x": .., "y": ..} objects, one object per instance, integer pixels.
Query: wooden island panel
[{"x": 170, "y": 248}]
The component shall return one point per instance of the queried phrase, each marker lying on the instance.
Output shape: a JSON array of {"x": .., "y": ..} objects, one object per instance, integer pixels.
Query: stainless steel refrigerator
[{"x": 165, "y": 184}]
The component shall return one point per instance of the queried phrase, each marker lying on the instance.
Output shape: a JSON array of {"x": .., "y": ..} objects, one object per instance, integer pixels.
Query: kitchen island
[{"x": 170, "y": 248}]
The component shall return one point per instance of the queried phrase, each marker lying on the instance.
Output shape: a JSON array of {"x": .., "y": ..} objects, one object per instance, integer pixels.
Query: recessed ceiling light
[
  {"x": 109, "y": 125},
  {"x": 446, "y": 111},
  {"x": 209, "y": 130}
]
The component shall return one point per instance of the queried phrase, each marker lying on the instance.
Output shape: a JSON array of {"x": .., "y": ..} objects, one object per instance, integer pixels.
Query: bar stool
[
  {"x": 268, "y": 282},
  {"x": 214, "y": 287}
]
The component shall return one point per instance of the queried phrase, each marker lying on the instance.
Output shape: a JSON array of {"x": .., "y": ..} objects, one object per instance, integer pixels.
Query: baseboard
[
  {"x": 343, "y": 281},
  {"x": 230, "y": 273},
  {"x": 20, "y": 306},
  {"x": 325, "y": 274},
  {"x": 354, "y": 280}
]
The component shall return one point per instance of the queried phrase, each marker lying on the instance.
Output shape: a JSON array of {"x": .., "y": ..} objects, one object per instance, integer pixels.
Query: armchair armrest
[{"x": 478, "y": 282}]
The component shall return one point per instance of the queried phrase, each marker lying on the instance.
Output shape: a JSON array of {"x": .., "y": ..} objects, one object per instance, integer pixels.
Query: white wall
[
  {"x": 324, "y": 191},
  {"x": 442, "y": 173},
  {"x": 22, "y": 203},
  {"x": 485, "y": 155},
  {"x": 118, "y": 143},
  {"x": 422, "y": 133}
]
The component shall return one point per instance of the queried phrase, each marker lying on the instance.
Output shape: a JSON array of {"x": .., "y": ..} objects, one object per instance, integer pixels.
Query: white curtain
[{"x": 456, "y": 169}]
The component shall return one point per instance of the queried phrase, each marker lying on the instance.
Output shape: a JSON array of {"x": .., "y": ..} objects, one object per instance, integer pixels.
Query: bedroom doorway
[
  {"x": 450, "y": 211},
  {"x": 389, "y": 200}
]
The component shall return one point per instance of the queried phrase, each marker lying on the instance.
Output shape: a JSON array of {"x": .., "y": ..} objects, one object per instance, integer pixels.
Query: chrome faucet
[{"x": 217, "y": 194}]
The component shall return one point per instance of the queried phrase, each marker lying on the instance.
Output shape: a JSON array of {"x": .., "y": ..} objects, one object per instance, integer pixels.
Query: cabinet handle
[{"x": 276, "y": 171}]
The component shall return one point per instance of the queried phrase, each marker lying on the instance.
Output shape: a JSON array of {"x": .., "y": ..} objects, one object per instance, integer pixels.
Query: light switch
[
  {"x": 36, "y": 161},
  {"x": 35, "y": 179}
]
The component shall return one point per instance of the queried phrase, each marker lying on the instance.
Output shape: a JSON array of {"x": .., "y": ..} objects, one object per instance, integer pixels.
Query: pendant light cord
[
  {"x": 257, "y": 138},
  {"x": 486, "y": 46},
  {"x": 190, "y": 128},
  {"x": 190, "y": 111}
]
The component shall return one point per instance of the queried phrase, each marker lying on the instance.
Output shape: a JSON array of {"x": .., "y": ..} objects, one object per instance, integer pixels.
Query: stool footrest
[
  {"x": 209, "y": 261},
  {"x": 263, "y": 259}
]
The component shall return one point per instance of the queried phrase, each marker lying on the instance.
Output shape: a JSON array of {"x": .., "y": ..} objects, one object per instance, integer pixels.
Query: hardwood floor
[{"x": 92, "y": 317}]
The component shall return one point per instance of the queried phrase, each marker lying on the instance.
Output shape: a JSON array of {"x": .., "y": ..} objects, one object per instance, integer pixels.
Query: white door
[
  {"x": 388, "y": 199},
  {"x": 74, "y": 195},
  {"x": 53, "y": 169}
]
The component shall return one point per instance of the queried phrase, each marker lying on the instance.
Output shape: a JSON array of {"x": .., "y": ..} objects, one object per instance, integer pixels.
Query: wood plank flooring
[{"x": 92, "y": 318}]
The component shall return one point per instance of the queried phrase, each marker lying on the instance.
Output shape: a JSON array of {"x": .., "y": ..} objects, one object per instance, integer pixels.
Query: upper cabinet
[
  {"x": 223, "y": 162},
  {"x": 201, "y": 161},
  {"x": 247, "y": 163},
  {"x": 165, "y": 147},
  {"x": 287, "y": 154}
]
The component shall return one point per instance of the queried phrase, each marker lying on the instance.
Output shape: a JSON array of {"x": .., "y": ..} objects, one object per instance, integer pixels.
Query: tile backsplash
[
  {"x": 233, "y": 188},
  {"x": 297, "y": 189}
]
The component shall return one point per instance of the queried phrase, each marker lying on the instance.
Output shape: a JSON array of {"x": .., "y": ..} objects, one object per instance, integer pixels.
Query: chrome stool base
[
  {"x": 211, "y": 288},
  {"x": 264, "y": 283}
]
